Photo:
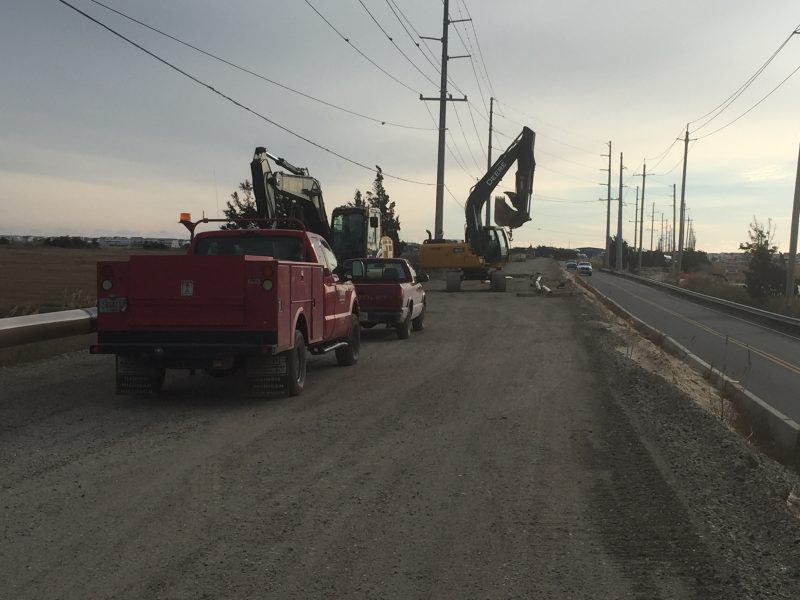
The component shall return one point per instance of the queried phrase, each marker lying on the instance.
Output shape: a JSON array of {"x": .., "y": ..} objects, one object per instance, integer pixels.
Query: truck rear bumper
[
  {"x": 382, "y": 316},
  {"x": 185, "y": 348}
]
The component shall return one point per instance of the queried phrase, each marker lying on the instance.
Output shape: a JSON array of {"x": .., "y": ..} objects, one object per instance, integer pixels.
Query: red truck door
[{"x": 337, "y": 295}]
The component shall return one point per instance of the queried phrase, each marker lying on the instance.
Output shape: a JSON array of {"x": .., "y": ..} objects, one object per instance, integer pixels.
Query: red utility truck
[
  {"x": 389, "y": 291},
  {"x": 256, "y": 299}
]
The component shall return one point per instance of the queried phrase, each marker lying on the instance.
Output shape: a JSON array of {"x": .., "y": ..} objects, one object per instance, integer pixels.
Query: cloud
[{"x": 765, "y": 173}]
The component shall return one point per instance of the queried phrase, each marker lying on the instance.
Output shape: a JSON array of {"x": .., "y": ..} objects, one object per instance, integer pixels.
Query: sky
[{"x": 99, "y": 138}]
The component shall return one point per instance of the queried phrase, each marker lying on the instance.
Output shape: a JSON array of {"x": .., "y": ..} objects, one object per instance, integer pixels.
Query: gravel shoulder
[{"x": 508, "y": 450}]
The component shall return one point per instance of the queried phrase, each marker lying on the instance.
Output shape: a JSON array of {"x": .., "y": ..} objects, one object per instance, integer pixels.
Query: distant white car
[
  {"x": 571, "y": 264},
  {"x": 585, "y": 268}
]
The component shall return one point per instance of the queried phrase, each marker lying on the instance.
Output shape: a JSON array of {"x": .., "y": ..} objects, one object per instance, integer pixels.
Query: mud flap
[
  {"x": 135, "y": 377},
  {"x": 266, "y": 373}
]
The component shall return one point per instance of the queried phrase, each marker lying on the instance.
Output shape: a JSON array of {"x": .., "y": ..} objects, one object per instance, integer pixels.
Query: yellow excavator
[{"x": 484, "y": 250}]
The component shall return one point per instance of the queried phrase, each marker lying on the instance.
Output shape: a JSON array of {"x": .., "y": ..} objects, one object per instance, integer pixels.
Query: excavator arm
[
  {"x": 291, "y": 195},
  {"x": 521, "y": 152}
]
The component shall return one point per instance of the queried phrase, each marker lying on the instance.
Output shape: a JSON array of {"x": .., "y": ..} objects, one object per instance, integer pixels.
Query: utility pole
[
  {"x": 661, "y": 240},
  {"x": 489, "y": 153},
  {"x": 442, "y": 99},
  {"x": 636, "y": 220},
  {"x": 793, "y": 235},
  {"x": 618, "y": 261},
  {"x": 641, "y": 224},
  {"x": 606, "y": 257},
  {"x": 652, "y": 225},
  {"x": 678, "y": 263},
  {"x": 672, "y": 249}
]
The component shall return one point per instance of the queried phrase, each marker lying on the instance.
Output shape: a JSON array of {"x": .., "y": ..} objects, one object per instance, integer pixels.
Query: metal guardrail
[
  {"x": 39, "y": 328},
  {"x": 758, "y": 313}
]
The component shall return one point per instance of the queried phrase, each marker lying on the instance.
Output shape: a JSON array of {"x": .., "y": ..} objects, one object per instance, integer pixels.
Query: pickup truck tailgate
[{"x": 187, "y": 291}]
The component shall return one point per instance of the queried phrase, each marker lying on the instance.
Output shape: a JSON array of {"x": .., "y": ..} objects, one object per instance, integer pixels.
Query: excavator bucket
[{"x": 506, "y": 216}]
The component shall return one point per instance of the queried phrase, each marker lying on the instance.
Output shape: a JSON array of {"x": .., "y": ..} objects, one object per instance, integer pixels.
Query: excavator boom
[{"x": 521, "y": 152}]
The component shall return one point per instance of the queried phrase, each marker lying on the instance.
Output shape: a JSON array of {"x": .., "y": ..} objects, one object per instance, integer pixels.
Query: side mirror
[{"x": 422, "y": 277}]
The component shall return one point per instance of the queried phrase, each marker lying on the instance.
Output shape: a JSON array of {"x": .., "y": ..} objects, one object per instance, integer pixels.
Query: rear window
[
  {"x": 382, "y": 271},
  {"x": 280, "y": 247}
]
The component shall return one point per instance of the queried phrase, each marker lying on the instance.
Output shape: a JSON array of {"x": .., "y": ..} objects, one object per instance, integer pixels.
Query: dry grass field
[{"x": 42, "y": 278}]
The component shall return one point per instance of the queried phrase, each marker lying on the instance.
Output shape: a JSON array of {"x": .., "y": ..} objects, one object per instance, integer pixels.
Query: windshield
[
  {"x": 280, "y": 247},
  {"x": 381, "y": 271},
  {"x": 347, "y": 235}
]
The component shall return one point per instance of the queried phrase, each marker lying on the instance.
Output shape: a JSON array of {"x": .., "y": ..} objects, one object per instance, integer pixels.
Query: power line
[
  {"x": 468, "y": 47},
  {"x": 236, "y": 102},
  {"x": 478, "y": 45},
  {"x": 464, "y": 133},
  {"x": 532, "y": 118},
  {"x": 459, "y": 162},
  {"x": 397, "y": 12},
  {"x": 720, "y": 108},
  {"x": 354, "y": 47},
  {"x": 254, "y": 74},
  {"x": 413, "y": 64},
  {"x": 752, "y": 107}
]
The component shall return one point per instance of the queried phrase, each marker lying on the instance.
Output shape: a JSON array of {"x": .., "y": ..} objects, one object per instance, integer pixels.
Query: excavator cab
[
  {"x": 496, "y": 245},
  {"x": 355, "y": 232}
]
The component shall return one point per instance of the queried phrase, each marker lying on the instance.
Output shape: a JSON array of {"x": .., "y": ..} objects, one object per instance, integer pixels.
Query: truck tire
[
  {"x": 404, "y": 328},
  {"x": 348, "y": 355},
  {"x": 418, "y": 324},
  {"x": 296, "y": 366},
  {"x": 453, "y": 281},
  {"x": 498, "y": 281}
]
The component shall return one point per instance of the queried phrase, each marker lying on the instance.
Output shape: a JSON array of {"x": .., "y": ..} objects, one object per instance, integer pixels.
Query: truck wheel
[
  {"x": 296, "y": 365},
  {"x": 348, "y": 355},
  {"x": 453, "y": 281},
  {"x": 498, "y": 281},
  {"x": 418, "y": 324},
  {"x": 404, "y": 328}
]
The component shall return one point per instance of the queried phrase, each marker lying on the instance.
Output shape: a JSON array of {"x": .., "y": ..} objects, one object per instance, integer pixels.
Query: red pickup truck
[
  {"x": 390, "y": 292},
  {"x": 240, "y": 298}
]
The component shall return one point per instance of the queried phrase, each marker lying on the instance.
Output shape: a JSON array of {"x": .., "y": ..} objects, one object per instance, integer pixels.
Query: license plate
[{"x": 112, "y": 305}]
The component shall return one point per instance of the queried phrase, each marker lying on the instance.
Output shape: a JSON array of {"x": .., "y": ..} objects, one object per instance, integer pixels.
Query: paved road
[
  {"x": 505, "y": 452},
  {"x": 764, "y": 361}
]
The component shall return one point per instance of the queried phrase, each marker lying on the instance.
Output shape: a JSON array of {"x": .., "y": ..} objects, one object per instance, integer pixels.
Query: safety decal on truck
[{"x": 187, "y": 287}]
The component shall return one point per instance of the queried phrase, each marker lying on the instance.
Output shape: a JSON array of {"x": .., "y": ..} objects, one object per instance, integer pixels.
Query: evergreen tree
[
  {"x": 242, "y": 205},
  {"x": 764, "y": 277},
  {"x": 358, "y": 200}
]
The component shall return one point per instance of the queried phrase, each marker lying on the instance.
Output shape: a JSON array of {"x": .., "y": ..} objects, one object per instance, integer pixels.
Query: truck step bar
[{"x": 328, "y": 347}]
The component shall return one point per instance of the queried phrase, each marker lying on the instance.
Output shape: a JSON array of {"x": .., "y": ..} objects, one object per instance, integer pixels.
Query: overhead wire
[
  {"x": 468, "y": 47},
  {"x": 236, "y": 102},
  {"x": 400, "y": 50},
  {"x": 720, "y": 108},
  {"x": 397, "y": 13},
  {"x": 751, "y": 108},
  {"x": 362, "y": 54},
  {"x": 529, "y": 116},
  {"x": 257, "y": 75},
  {"x": 458, "y": 117},
  {"x": 464, "y": 133}
]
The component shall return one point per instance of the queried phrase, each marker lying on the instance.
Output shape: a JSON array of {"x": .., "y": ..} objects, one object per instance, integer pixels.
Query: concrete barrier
[{"x": 27, "y": 329}]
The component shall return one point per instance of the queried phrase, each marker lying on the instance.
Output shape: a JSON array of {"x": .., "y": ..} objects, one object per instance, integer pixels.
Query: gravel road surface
[{"x": 507, "y": 451}]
